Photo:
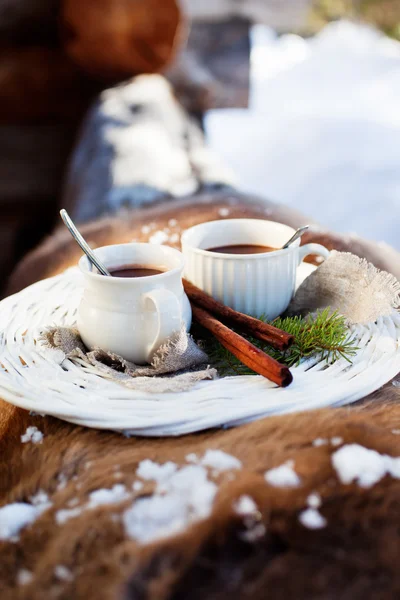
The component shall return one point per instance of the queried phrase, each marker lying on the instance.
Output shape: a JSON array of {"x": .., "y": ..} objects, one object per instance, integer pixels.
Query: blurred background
[{"x": 295, "y": 100}]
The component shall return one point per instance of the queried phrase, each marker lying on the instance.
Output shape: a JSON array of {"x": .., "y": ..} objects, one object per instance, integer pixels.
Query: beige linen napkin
[
  {"x": 352, "y": 286},
  {"x": 171, "y": 370}
]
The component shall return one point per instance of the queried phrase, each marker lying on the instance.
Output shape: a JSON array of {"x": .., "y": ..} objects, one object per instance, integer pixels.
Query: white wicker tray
[{"x": 37, "y": 379}]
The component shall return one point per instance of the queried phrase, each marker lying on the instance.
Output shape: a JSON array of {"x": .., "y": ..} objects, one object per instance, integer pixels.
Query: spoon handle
[
  {"x": 296, "y": 235},
  {"x": 82, "y": 243}
]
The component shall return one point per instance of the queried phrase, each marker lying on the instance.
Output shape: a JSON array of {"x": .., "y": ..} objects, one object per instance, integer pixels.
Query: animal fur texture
[{"x": 355, "y": 556}]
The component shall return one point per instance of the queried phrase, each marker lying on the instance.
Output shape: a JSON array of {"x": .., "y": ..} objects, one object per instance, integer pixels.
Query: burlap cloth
[{"x": 344, "y": 282}]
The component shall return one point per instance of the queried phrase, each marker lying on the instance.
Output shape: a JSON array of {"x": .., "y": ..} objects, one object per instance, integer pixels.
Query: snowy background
[{"x": 322, "y": 132}]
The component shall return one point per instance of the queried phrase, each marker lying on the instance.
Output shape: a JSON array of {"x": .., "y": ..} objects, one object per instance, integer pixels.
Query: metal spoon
[
  {"x": 82, "y": 243},
  {"x": 296, "y": 235}
]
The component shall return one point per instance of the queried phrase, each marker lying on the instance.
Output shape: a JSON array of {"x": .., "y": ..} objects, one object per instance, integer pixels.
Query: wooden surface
[
  {"x": 59, "y": 251},
  {"x": 213, "y": 558}
]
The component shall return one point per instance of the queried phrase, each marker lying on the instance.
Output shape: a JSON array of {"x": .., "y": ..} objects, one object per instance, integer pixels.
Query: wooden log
[
  {"x": 41, "y": 84},
  {"x": 114, "y": 39},
  {"x": 137, "y": 146}
]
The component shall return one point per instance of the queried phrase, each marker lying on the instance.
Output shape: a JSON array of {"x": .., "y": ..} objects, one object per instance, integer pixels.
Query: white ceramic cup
[
  {"x": 255, "y": 284},
  {"x": 133, "y": 316}
]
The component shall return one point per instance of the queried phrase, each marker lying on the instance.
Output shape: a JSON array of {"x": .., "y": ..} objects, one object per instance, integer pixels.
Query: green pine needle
[{"x": 324, "y": 334}]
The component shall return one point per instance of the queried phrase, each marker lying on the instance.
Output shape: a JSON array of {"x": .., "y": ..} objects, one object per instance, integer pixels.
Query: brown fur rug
[{"x": 355, "y": 556}]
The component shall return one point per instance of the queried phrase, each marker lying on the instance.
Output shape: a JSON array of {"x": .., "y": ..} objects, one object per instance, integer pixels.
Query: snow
[
  {"x": 158, "y": 237},
  {"x": 224, "y": 212},
  {"x": 32, "y": 434},
  {"x": 312, "y": 519},
  {"x": 396, "y": 431},
  {"x": 137, "y": 486},
  {"x": 319, "y": 442},
  {"x": 283, "y": 476},
  {"x": 65, "y": 514},
  {"x": 172, "y": 222},
  {"x": 220, "y": 461},
  {"x": 150, "y": 470},
  {"x": 336, "y": 441},
  {"x": 191, "y": 457},
  {"x": 101, "y": 497},
  {"x": 174, "y": 238},
  {"x": 24, "y": 577},
  {"x": 324, "y": 110},
  {"x": 63, "y": 573},
  {"x": 180, "y": 500},
  {"x": 73, "y": 502},
  {"x": 314, "y": 500},
  {"x": 396, "y": 383},
  {"x": 41, "y": 501},
  {"x": 62, "y": 481},
  {"x": 245, "y": 505},
  {"x": 366, "y": 467},
  {"x": 14, "y": 517},
  {"x": 246, "y": 508}
]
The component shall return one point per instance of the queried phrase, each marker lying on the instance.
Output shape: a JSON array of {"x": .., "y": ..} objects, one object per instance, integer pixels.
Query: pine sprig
[{"x": 324, "y": 334}]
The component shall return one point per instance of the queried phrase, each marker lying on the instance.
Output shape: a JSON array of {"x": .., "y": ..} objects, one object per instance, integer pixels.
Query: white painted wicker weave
[{"x": 38, "y": 379}]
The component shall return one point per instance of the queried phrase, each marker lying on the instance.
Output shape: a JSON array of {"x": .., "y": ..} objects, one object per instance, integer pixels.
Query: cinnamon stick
[
  {"x": 262, "y": 331},
  {"x": 247, "y": 353}
]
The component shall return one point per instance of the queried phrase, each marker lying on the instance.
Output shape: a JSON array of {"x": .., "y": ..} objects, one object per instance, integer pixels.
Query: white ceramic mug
[
  {"x": 133, "y": 316},
  {"x": 255, "y": 284}
]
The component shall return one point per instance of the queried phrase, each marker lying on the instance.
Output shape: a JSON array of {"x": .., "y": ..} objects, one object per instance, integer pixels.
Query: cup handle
[
  {"x": 169, "y": 317},
  {"x": 313, "y": 249}
]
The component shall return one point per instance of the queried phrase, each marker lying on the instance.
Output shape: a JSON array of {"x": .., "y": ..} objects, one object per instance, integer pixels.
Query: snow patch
[
  {"x": 65, "y": 514},
  {"x": 191, "y": 458},
  {"x": 172, "y": 222},
  {"x": 14, "y": 517},
  {"x": 366, "y": 467},
  {"x": 24, "y": 577},
  {"x": 150, "y": 470},
  {"x": 41, "y": 501},
  {"x": 63, "y": 573},
  {"x": 174, "y": 238},
  {"x": 283, "y": 476},
  {"x": 158, "y": 237},
  {"x": 102, "y": 497},
  {"x": 73, "y": 502},
  {"x": 312, "y": 519},
  {"x": 314, "y": 500},
  {"x": 185, "y": 497},
  {"x": 336, "y": 441},
  {"x": 224, "y": 212},
  {"x": 245, "y": 505},
  {"x": 32, "y": 434},
  {"x": 62, "y": 482},
  {"x": 319, "y": 442},
  {"x": 220, "y": 461}
]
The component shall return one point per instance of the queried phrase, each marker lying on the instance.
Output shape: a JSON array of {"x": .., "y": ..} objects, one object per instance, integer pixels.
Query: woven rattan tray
[{"x": 38, "y": 379}]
